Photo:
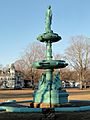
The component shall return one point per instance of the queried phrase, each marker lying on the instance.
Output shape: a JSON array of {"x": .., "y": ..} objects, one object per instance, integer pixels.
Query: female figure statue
[{"x": 48, "y": 19}]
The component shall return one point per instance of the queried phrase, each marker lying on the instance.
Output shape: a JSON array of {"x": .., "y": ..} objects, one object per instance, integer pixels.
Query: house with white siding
[{"x": 11, "y": 78}]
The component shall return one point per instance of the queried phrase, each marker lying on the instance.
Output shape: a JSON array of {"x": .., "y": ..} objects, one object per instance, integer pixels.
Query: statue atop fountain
[{"x": 48, "y": 20}]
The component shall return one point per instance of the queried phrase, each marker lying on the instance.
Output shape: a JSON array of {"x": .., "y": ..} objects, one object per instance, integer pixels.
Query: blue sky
[{"x": 21, "y": 21}]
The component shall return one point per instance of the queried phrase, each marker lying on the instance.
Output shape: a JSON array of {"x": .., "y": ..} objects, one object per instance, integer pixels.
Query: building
[{"x": 11, "y": 78}]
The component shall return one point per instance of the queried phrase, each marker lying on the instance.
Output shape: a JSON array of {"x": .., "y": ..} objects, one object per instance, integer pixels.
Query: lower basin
[
  {"x": 71, "y": 106},
  {"x": 49, "y": 64}
]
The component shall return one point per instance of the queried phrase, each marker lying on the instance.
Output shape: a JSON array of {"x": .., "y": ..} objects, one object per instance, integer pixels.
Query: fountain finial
[{"x": 48, "y": 19}]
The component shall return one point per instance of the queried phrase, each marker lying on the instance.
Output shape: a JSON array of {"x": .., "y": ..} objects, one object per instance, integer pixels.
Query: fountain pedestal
[
  {"x": 49, "y": 92},
  {"x": 46, "y": 96}
]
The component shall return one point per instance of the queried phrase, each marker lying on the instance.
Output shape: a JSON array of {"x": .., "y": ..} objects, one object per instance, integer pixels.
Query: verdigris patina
[
  {"x": 49, "y": 92},
  {"x": 49, "y": 35},
  {"x": 48, "y": 20}
]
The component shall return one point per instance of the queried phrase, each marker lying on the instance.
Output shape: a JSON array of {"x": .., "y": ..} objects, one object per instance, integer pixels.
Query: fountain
[{"x": 49, "y": 92}]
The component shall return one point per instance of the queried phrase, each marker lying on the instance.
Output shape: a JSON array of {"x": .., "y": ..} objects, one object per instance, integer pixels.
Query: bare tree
[
  {"x": 34, "y": 52},
  {"x": 78, "y": 55},
  {"x": 1, "y": 68},
  {"x": 57, "y": 56}
]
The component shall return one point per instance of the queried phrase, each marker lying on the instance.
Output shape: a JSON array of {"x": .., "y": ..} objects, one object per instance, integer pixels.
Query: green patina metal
[
  {"x": 48, "y": 20},
  {"x": 50, "y": 64},
  {"x": 50, "y": 88}
]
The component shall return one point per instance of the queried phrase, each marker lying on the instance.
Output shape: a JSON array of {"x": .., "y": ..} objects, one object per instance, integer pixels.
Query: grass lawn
[{"x": 83, "y": 95}]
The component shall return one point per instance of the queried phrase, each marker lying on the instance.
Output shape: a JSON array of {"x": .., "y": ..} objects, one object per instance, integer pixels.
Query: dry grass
[
  {"x": 71, "y": 97},
  {"x": 77, "y": 90},
  {"x": 23, "y": 91},
  {"x": 79, "y": 97}
]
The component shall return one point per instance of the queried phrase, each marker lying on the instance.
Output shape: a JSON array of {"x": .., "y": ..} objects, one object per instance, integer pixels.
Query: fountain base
[{"x": 42, "y": 98}]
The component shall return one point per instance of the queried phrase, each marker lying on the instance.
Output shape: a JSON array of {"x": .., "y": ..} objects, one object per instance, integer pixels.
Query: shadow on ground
[{"x": 39, "y": 116}]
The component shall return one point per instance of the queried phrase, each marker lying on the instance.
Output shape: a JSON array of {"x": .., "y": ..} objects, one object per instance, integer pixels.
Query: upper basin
[{"x": 50, "y": 36}]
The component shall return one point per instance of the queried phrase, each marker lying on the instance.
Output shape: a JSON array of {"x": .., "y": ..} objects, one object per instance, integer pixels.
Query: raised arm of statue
[{"x": 48, "y": 19}]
